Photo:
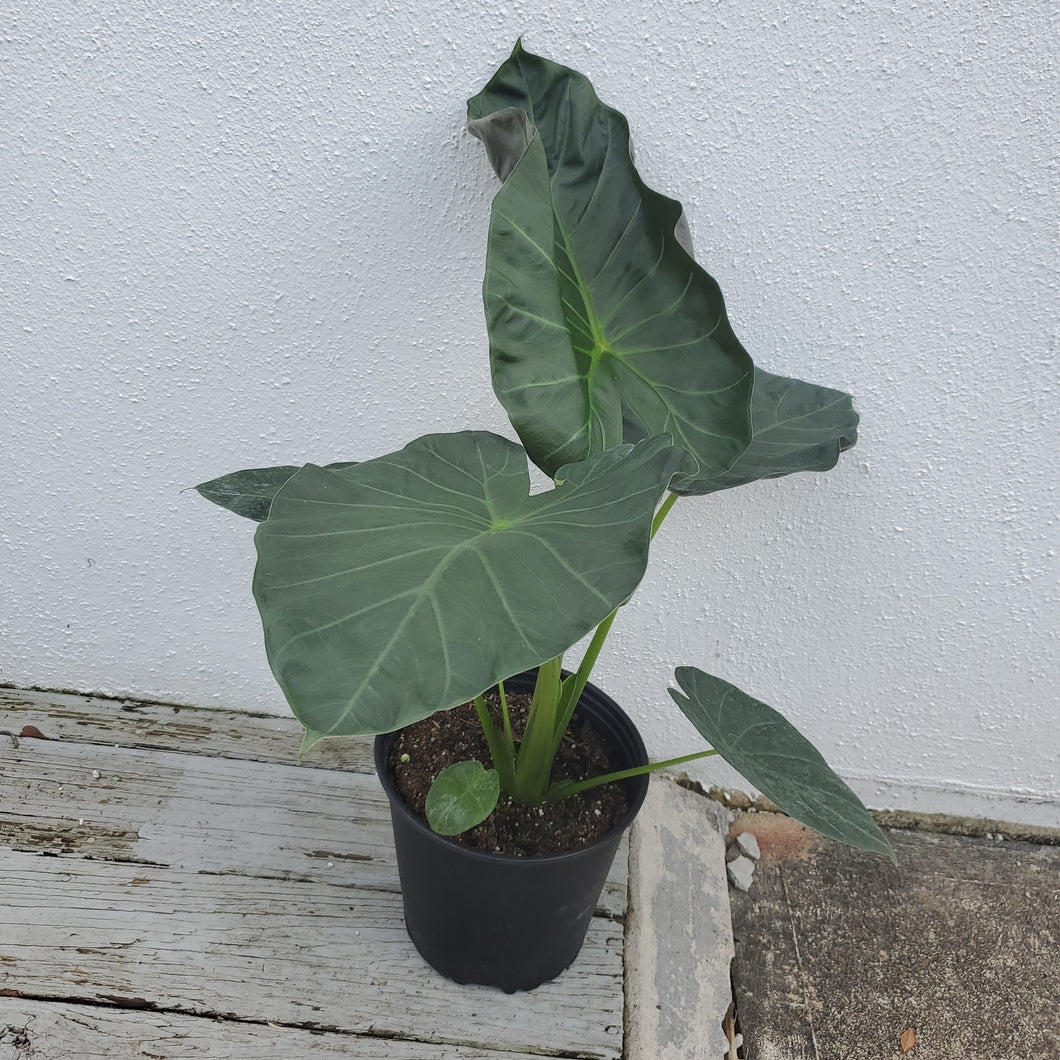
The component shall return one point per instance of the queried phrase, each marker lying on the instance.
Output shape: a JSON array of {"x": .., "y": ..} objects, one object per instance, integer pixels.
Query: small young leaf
[
  {"x": 774, "y": 756},
  {"x": 461, "y": 796}
]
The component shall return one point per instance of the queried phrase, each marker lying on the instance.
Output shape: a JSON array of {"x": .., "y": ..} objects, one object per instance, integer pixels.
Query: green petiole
[
  {"x": 500, "y": 751},
  {"x": 525, "y": 771},
  {"x": 566, "y": 788}
]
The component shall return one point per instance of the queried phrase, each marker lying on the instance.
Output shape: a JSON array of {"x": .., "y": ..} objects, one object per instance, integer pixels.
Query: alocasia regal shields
[{"x": 413, "y": 582}]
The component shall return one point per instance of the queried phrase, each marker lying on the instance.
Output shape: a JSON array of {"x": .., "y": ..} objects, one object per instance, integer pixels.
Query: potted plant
[{"x": 419, "y": 582}]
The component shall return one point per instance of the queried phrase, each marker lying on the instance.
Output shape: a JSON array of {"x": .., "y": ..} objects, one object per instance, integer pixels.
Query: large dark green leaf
[
  {"x": 249, "y": 493},
  {"x": 796, "y": 426},
  {"x": 602, "y": 328},
  {"x": 412, "y": 582},
  {"x": 774, "y": 756}
]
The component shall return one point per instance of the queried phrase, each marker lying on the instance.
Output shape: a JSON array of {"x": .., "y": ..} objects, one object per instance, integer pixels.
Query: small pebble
[
  {"x": 741, "y": 871},
  {"x": 748, "y": 845}
]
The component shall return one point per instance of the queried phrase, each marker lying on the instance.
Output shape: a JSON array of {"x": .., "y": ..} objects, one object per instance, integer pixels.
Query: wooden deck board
[
  {"x": 253, "y": 949},
  {"x": 55, "y": 1030},
  {"x": 211, "y": 732},
  {"x": 202, "y": 874},
  {"x": 246, "y": 813}
]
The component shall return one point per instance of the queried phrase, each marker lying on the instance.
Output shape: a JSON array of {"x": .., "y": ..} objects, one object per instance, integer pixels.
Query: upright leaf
[
  {"x": 774, "y": 756},
  {"x": 602, "y": 328},
  {"x": 410, "y": 583}
]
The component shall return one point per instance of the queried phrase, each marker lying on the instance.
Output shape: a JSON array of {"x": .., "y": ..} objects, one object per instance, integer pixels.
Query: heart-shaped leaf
[
  {"x": 796, "y": 426},
  {"x": 462, "y": 795},
  {"x": 249, "y": 493},
  {"x": 774, "y": 756},
  {"x": 413, "y": 582},
  {"x": 603, "y": 329}
]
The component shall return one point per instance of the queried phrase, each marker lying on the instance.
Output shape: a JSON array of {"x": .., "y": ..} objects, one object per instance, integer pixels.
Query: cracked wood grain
[
  {"x": 253, "y": 949},
  {"x": 199, "y": 881},
  {"x": 208, "y": 813},
  {"x": 57, "y": 1030}
]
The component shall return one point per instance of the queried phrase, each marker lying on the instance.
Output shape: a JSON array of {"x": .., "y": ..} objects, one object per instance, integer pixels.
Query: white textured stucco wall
[{"x": 236, "y": 234}]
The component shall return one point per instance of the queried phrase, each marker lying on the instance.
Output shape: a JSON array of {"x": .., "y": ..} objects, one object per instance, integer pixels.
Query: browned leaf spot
[{"x": 908, "y": 1039}]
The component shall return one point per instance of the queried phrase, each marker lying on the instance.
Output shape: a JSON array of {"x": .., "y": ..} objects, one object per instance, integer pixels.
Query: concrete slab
[
  {"x": 678, "y": 929},
  {"x": 953, "y": 954}
]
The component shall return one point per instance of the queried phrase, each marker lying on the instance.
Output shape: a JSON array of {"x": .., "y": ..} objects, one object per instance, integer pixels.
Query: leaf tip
[{"x": 309, "y": 740}]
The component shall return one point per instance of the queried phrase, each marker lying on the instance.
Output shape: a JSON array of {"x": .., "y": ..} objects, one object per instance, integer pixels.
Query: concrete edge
[{"x": 679, "y": 942}]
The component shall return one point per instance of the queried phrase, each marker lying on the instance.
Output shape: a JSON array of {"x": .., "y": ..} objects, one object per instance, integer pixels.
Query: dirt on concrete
[{"x": 952, "y": 954}]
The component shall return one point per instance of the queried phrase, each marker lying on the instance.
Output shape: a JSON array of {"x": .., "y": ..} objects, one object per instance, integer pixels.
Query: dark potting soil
[{"x": 514, "y": 827}]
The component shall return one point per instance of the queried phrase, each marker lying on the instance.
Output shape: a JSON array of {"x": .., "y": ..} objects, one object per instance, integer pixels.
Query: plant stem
[
  {"x": 533, "y": 763},
  {"x": 663, "y": 512},
  {"x": 500, "y": 752},
  {"x": 566, "y": 788},
  {"x": 576, "y": 685},
  {"x": 509, "y": 738},
  {"x": 526, "y": 773}
]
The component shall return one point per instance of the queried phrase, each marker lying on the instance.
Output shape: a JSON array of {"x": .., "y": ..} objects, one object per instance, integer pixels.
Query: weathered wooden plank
[
  {"x": 679, "y": 935},
  {"x": 253, "y": 949},
  {"x": 168, "y": 727},
  {"x": 187, "y": 811},
  {"x": 209, "y": 814},
  {"x": 36, "y": 1030},
  {"x": 224, "y": 876}
]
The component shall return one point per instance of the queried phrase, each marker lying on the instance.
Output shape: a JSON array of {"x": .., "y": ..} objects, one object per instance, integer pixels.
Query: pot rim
[{"x": 638, "y": 784}]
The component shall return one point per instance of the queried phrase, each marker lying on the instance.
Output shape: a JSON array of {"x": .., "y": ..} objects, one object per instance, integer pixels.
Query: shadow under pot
[{"x": 498, "y": 919}]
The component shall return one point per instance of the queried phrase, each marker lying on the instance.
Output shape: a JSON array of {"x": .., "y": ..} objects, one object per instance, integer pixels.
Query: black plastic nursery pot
[{"x": 502, "y": 920}]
